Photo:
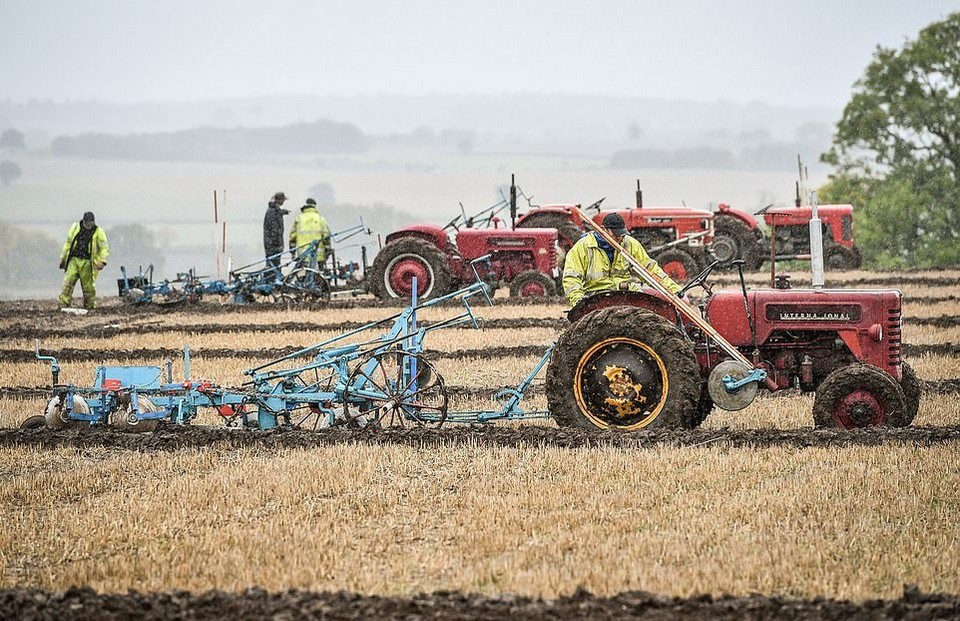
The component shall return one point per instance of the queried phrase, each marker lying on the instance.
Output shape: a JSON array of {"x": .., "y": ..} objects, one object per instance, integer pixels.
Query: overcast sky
[{"x": 790, "y": 53}]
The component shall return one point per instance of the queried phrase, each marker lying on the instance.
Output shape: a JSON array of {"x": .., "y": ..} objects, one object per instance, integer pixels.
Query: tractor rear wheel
[
  {"x": 623, "y": 368},
  {"x": 840, "y": 258},
  {"x": 911, "y": 393},
  {"x": 679, "y": 264},
  {"x": 532, "y": 284},
  {"x": 567, "y": 232},
  {"x": 733, "y": 239},
  {"x": 392, "y": 272},
  {"x": 859, "y": 395}
]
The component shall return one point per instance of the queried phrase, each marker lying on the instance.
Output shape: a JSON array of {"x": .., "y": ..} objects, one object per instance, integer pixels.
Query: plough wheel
[
  {"x": 395, "y": 389},
  {"x": 34, "y": 422}
]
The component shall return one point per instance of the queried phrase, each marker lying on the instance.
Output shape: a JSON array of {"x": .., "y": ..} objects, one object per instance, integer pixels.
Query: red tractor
[
  {"x": 677, "y": 237},
  {"x": 739, "y": 236},
  {"x": 633, "y": 360},
  {"x": 440, "y": 258}
]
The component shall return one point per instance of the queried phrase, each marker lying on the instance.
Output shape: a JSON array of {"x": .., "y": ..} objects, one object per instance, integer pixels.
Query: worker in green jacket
[
  {"x": 311, "y": 226},
  {"x": 592, "y": 265},
  {"x": 84, "y": 254}
]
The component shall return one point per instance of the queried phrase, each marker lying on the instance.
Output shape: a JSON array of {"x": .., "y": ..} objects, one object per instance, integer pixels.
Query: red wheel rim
[
  {"x": 675, "y": 270},
  {"x": 532, "y": 289},
  {"x": 860, "y": 408},
  {"x": 402, "y": 273}
]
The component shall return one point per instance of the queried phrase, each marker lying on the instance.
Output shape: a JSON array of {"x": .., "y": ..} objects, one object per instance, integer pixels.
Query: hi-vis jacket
[
  {"x": 587, "y": 269},
  {"x": 311, "y": 226},
  {"x": 99, "y": 250}
]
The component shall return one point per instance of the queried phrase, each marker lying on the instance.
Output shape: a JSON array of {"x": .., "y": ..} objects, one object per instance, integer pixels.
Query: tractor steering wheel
[{"x": 700, "y": 279}]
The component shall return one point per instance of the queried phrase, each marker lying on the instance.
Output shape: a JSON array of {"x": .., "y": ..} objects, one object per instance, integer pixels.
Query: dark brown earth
[
  {"x": 171, "y": 438},
  {"x": 254, "y": 604}
]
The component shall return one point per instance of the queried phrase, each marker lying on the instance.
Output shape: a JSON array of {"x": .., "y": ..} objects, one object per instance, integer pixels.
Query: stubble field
[{"x": 754, "y": 502}]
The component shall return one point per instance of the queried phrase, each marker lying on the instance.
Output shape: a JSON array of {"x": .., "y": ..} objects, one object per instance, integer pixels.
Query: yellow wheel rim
[{"x": 626, "y": 396}]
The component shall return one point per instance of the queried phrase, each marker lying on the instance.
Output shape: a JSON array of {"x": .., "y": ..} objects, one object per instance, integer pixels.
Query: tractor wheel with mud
[
  {"x": 567, "y": 232},
  {"x": 392, "y": 272},
  {"x": 733, "y": 239},
  {"x": 859, "y": 395},
  {"x": 679, "y": 264},
  {"x": 38, "y": 421},
  {"x": 624, "y": 368},
  {"x": 840, "y": 258},
  {"x": 532, "y": 284},
  {"x": 56, "y": 412},
  {"x": 911, "y": 393}
]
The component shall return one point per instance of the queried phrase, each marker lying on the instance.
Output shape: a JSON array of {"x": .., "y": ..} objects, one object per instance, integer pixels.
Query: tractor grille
[{"x": 894, "y": 327}]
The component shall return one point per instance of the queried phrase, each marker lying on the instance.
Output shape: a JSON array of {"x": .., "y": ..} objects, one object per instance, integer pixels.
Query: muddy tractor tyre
[
  {"x": 392, "y": 272},
  {"x": 679, "y": 264},
  {"x": 623, "y": 368},
  {"x": 733, "y": 239},
  {"x": 859, "y": 395},
  {"x": 912, "y": 388},
  {"x": 840, "y": 258},
  {"x": 567, "y": 232},
  {"x": 532, "y": 284},
  {"x": 34, "y": 422}
]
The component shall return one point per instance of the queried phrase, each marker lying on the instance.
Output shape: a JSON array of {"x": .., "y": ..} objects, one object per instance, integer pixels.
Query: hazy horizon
[{"x": 698, "y": 50}]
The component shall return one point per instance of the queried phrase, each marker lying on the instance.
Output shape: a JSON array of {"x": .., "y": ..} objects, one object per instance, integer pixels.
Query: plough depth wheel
[{"x": 395, "y": 388}]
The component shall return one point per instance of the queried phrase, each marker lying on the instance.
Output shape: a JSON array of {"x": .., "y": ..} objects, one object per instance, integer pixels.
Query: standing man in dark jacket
[{"x": 273, "y": 229}]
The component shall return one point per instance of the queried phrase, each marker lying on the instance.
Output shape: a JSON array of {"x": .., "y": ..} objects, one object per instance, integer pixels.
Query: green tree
[{"x": 897, "y": 151}]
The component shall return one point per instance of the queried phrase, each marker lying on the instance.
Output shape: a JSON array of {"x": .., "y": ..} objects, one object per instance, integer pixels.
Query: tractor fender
[
  {"x": 739, "y": 214},
  {"x": 647, "y": 298},
  {"x": 563, "y": 210},
  {"x": 432, "y": 233}
]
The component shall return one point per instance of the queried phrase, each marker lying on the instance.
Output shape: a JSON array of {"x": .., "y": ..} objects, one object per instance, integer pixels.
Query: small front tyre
[{"x": 859, "y": 395}]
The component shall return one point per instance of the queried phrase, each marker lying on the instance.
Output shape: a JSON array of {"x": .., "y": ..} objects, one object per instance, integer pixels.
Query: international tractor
[
  {"x": 443, "y": 258},
  {"x": 634, "y": 360},
  {"x": 677, "y": 237}
]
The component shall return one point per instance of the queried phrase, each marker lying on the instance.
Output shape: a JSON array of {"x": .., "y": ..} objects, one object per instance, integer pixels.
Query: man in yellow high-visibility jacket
[
  {"x": 84, "y": 254},
  {"x": 592, "y": 265},
  {"x": 311, "y": 226}
]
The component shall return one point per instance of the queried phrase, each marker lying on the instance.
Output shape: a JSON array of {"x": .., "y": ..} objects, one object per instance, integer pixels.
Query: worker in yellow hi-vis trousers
[{"x": 84, "y": 254}]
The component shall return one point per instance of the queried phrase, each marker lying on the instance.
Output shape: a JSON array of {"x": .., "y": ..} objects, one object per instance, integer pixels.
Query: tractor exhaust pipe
[{"x": 816, "y": 244}]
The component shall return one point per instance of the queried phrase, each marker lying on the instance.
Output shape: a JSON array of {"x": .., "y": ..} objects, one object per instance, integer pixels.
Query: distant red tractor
[
  {"x": 526, "y": 260},
  {"x": 633, "y": 360},
  {"x": 678, "y": 237}
]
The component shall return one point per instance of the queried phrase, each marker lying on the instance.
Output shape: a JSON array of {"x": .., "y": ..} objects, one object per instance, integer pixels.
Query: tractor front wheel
[
  {"x": 532, "y": 284},
  {"x": 393, "y": 271},
  {"x": 859, "y": 395},
  {"x": 623, "y": 368},
  {"x": 911, "y": 393}
]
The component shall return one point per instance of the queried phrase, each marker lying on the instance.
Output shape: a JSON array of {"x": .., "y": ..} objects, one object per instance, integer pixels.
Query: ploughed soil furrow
[
  {"x": 256, "y": 604},
  {"x": 72, "y": 354},
  {"x": 935, "y": 387},
  {"x": 109, "y": 330},
  {"x": 173, "y": 438}
]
